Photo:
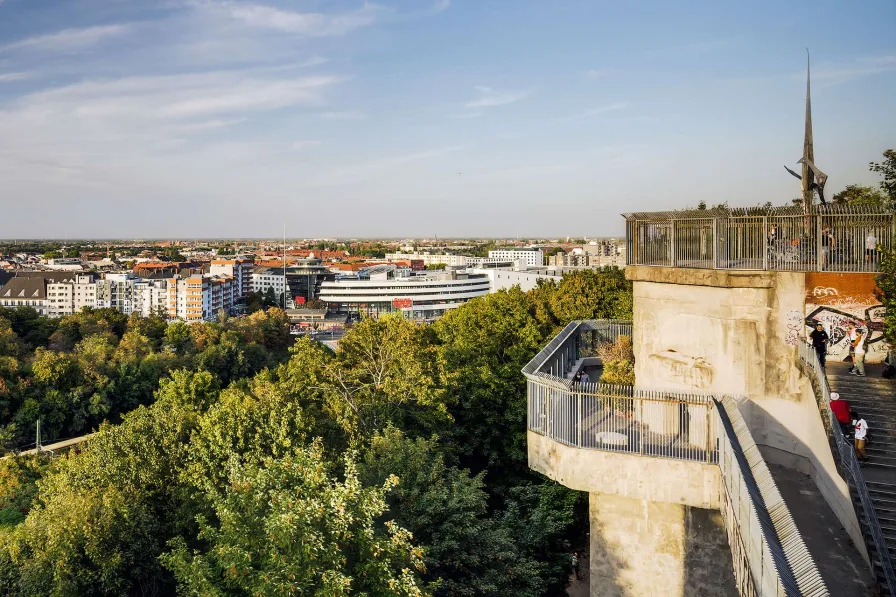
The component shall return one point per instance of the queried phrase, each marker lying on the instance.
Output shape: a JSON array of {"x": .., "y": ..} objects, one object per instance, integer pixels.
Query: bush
[
  {"x": 620, "y": 350},
  {"x": 618, "y": 359},
  {"x": 619, "y": 373}
]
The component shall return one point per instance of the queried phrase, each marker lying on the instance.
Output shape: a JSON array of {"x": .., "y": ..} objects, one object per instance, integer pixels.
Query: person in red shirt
[{"x": 840, "y": 408}]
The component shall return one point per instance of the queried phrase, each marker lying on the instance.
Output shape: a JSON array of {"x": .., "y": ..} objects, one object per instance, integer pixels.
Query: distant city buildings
[{"x": 388, "y": 289}]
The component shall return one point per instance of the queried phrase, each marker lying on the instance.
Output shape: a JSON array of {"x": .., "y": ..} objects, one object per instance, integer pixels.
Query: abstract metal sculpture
[{"x": 812, "y": 178}]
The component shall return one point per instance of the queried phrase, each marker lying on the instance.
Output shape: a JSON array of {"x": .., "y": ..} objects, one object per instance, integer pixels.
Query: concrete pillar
[{"x": 641, "y": 548}]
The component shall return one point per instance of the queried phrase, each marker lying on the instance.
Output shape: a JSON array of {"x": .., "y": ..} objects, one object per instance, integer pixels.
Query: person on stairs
[
  {"x": 841, "y": 411},
  {"x": 861, "y": 428},
  {"x": 819, "y": 339},
  {"x": 858, "y": 354}
]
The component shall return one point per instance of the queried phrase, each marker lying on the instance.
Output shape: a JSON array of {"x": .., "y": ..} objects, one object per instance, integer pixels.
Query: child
[{"x": 861, "y": 433}]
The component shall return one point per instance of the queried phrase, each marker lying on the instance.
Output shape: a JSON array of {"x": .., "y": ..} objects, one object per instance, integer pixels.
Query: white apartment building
[
  {"x": 503, "y": 278},
  {"x": 431, "y": 258},
  {"x": 529, "y": 257},
  {"x": 268, "y": 278},
  {"x": 198, "y": 298}
]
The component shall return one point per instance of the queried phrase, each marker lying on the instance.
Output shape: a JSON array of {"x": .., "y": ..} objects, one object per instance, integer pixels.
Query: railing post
[
  {"x": 763, "y": 238},
  {"x": 715, "y": 244},
  {"x": 709, "y": 407},
  {"x": 819, "y": 264},
  {"x": 673, "y": 257},
  {"x": 640, "y": 407},
  {"x": 578, "y": 419}
]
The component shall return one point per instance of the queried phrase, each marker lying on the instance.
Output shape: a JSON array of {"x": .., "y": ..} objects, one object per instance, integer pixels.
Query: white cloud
[
  {"x": 345, "y": 115},
  {"x": 69, "y": 40},
  {"x": 7, "y": 77},
  {"x": 309, "y": 24},
  {"x": 197, "y": 95},
  {"x": 441, "y": 5},
  {"x": 490, "y": 98},
  {"x": 298, "y": 145},
  {"x": 596, "y": 111}
]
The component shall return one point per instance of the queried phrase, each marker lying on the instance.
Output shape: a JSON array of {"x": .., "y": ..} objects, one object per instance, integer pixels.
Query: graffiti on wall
[
  {"x": 836, "y": 300},
  {"x": 794, "y": 322}
]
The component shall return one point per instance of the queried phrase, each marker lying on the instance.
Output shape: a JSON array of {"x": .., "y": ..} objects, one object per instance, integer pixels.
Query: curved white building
[{"x": 419, "y": 297}]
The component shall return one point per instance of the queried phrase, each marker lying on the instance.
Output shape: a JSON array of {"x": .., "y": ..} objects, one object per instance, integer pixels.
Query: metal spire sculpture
[{"x": 812, "y": 178}]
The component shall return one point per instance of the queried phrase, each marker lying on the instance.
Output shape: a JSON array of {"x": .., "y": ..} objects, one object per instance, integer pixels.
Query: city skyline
[{"x": 462, "y": 119}]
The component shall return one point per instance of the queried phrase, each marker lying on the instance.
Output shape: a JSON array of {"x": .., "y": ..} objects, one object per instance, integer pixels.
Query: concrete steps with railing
[{"x": 874, "y": 398}]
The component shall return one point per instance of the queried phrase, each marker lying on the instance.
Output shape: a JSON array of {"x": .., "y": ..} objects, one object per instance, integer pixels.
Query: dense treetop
[{"x": 230, "y": 461}]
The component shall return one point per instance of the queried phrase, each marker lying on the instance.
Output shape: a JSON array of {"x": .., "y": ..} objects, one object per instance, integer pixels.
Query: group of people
[
  {"x": 851, "y": 424},
  {"x": 581, "y": 377},
  {"x": 856, "y": 334},
  {"x": 828, "y": 246}
]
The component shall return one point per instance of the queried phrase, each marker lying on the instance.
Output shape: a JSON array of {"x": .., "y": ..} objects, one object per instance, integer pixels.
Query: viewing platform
[
  {"x": 830, "y": 238},
  {"x": 681, "y": 501}
]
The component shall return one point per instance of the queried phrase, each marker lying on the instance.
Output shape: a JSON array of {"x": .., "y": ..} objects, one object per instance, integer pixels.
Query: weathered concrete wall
[
  {"x": 716, "y": 331},
  {"x": 740, "y": 339},
  {"x": 641, "y": 548},
  {"x": 626, "y": 475},
  {"x": 838, "y": 299}
]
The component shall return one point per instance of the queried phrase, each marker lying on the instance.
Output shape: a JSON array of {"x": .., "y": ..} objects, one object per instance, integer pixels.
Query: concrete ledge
[
  {"x": 700, "y": 277},
  {"x": 626, "y": 475}
]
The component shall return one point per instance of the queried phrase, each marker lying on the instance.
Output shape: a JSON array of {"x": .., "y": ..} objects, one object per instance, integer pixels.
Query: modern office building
[
  {"x": 379, "y": 290},
  {"x": 303, "y": 280},
  {"x": 530, "y": 257}
]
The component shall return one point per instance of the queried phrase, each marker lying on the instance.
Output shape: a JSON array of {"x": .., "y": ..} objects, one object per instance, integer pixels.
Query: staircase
[{"x": 874, "y": 398}]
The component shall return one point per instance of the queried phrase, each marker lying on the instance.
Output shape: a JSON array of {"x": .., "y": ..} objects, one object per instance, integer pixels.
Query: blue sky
[{"x": 213, "y": 118}]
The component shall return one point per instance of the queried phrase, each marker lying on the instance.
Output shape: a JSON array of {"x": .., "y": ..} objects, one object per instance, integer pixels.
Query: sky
[{"x": 414, "y": 118}]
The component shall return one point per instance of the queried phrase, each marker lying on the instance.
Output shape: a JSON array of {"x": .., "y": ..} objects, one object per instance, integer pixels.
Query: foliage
[
  {"x": 861, "y": 195},
  {"x": 219, "y": 463},
  {"x": 618, "y": 373},
  {"x": 887, "y": 169},
  {"x": 284, "y": 527},
  {"x": 618, "y": 360},
  {"x": 18, "y": 486},
  {"x": 886, "y": 282},
  {"x": 77, "y": 371}
]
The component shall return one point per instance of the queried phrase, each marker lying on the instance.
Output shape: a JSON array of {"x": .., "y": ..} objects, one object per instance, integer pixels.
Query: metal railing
[
  {"x": 824, "y": 238},
  {"x": 577, "y": 340},
  {"x": 770, "y": 557},
  {"x": 849, "y": 465},
  {"x": 621, "y": 419}
]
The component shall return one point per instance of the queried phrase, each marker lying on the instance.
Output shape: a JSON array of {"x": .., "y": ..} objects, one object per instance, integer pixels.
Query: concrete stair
[{"x": 874, "y": 398}]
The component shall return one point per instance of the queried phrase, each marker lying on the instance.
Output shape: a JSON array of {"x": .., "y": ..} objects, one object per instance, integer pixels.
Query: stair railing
[{"x": 850, "y": 465}]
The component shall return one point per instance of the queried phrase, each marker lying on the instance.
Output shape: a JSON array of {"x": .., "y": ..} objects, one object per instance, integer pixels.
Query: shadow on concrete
[
  {"x": 839, "y": 563},
  {"x": 802, "y": 485},
  {"x": 604, "y": 565},
  {"x": 708, "y": 567}
]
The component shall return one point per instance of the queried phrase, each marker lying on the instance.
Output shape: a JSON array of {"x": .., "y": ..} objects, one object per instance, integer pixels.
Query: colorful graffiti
[{"x": 836, "y": 300}]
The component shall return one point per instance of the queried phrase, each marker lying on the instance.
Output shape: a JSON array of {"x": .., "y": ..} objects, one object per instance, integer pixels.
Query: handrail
[
  {"x": 746, "y": 478},
  {"x": 850, "y": 465},
  {"x": 614, "y": 328}
]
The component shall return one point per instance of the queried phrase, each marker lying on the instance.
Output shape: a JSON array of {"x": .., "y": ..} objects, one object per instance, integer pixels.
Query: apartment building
[
  {"x": 431, "y": 258},
  {"x": 239, "y": 269},
  {"x": 195, "y": 298},
  {"x": 530, "y": 257}
]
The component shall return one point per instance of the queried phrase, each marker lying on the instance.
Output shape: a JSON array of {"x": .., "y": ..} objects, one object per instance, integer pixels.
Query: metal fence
[
  {"x": 577, "y": 340},
  {"x": 622, "y": 419},
  {"x": 826, "y": 238},
  {"x": 770, "y": 557},
  {"x": 849, "y": 465}
]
